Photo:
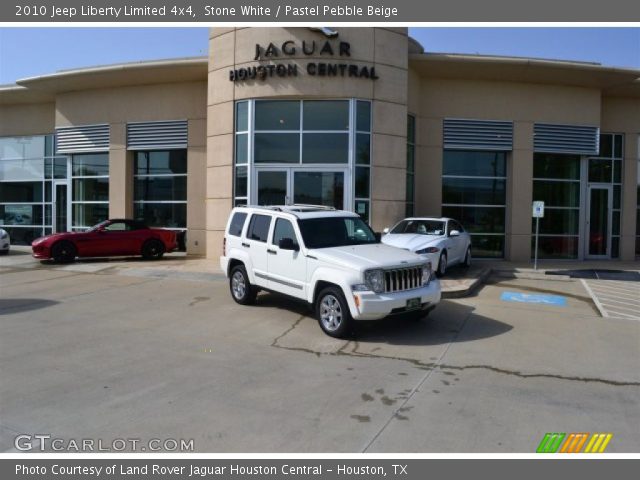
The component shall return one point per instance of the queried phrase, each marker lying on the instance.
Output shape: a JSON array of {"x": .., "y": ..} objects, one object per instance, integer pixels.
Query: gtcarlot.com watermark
[{"x": 45, "y": 442}]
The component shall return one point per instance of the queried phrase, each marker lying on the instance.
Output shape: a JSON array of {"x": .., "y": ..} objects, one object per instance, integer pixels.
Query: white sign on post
[
  {"x": 538, "y": 213},
  {"x": 538, "y": 209}
]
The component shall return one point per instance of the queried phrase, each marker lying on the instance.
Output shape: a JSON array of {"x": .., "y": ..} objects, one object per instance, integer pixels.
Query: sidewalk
[{"x": 458, "y": 282}]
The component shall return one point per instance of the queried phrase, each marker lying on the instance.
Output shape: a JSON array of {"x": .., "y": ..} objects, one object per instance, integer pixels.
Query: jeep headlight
[
  {"x": 374, "y": 279},
  {"x": 426, "y": 273}
]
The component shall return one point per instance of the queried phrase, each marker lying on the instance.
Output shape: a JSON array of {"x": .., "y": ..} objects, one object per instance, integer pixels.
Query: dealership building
[{"x": 361, "y": 119}]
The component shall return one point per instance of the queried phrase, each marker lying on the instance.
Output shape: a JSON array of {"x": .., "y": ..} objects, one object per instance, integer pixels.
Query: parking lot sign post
[{"x": 538, "y": 213}]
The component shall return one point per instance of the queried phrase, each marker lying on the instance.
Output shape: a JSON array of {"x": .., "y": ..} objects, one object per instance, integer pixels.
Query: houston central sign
[{"x": 273, "y": 61}]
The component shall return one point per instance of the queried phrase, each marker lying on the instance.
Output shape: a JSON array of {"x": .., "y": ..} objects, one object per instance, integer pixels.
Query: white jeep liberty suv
[{"x": 327, "y": 257}]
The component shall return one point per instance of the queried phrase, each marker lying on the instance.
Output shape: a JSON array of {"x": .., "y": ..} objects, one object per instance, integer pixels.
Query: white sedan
[
  {"x": 442, "y": 241},
  {"x": 5, "y": 241}
]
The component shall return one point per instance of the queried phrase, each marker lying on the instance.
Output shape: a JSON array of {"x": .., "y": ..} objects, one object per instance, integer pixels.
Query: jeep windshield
[{"x": 326, "y": 232}]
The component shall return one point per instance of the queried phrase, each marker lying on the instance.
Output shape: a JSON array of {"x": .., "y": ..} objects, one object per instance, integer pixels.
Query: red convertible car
[{"x": 109, "y": 238}]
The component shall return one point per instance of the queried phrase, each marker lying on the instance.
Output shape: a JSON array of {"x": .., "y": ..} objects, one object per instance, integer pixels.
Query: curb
[{"x": 461, "y": 292}]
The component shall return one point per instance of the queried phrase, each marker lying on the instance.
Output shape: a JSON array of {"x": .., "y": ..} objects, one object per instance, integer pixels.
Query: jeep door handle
[
  {"x": 272, "y": 252},
  {"x": 246, "y": 245}
]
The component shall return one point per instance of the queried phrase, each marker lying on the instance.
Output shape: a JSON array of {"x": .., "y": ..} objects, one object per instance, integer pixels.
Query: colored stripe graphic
[
  {"x": 573, "y": 442},
  {"x": 550, "y": 443}
]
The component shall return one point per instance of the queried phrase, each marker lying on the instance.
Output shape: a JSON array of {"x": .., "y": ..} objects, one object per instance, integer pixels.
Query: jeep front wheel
[{"x": 333, "y": 312}]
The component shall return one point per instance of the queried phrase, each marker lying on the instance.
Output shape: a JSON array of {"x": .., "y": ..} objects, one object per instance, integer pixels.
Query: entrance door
[
  {"x": 60, "y": 207},
  {"x": 284, "y": 186},
  {"x": 598, "y": 225}
]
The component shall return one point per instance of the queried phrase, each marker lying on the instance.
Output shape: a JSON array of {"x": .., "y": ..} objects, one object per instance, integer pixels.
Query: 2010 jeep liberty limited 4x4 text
[{"x": 329, "y": 258}]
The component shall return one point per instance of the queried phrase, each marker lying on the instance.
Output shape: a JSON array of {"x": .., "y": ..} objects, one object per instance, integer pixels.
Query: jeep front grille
[{"x": 400, "y": 279}]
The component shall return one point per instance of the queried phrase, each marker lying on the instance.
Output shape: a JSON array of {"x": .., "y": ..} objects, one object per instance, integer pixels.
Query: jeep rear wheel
[
  {"x": 333, "y": 312},
  {"x": 241, "y": 289}
]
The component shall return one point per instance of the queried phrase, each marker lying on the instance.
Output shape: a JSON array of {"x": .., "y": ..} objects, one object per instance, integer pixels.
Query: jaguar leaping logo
[{"x": 326, "y": 31}]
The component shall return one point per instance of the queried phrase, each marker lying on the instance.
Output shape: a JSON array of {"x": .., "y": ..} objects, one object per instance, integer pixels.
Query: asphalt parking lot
[{"x": 94, "y": 351}]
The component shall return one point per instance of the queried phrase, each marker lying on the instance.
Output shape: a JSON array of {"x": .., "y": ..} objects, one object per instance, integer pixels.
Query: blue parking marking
[{"x": 555, "y": 300}]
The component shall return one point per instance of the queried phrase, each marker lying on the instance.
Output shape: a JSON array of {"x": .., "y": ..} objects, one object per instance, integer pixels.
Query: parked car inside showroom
[
  {"x": 443, "y": 241},
  {"x": 116, "y": 237},
  {"x": 5, "y": 241}
]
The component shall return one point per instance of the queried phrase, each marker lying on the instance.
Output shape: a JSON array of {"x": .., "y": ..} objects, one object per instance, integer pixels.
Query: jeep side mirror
[
  {"x": 288, "y": 244},
  {"x": 386, "y": 230},
  {"x": 454, "y": 233}
]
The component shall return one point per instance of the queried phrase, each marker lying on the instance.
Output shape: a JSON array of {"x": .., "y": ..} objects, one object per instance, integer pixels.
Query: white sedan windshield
[{"x": 421, "y": 227}]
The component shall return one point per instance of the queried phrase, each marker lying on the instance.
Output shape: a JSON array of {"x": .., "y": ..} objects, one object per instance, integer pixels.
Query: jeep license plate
[{"x": 413, "y": 303}]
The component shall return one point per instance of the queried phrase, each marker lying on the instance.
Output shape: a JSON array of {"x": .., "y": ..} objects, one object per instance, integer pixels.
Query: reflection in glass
[
  {"x": 600, "y": 170},
  {"x": 557, "y": 194},
  {"x": 598, "y": 221},
  {"x": 277, "y": 115},
  {"x": 363, "y": 148},
  {"x": 362, "y": 182},
  {"x": 272, "y": 188},
  {"x": 325, "y": 148},
  {"x": 21, "y": 192},
  {"x": 20, "y": 214},
  {"x": 91, "y": 189},
  {"x": 173, "y": 188},
  {"x": 474, "y": 163},
  {"x": 163, "y": 215},
  {"x": 242, "y": 116},
  {"x": 326, "y": 115},
  {"x": 477, "y": 219},
  {"x": 556, "y": 247},
  {"x": 363, "y": 116},
  {"x": 478, "y": 191},
  {"x": 164, "y": 162},
  {"x": 90, "y": 164},
  {"x": 559, "y": 222},
  {"x": 241, "y": 182},
  {"x": 319, "y": 188},
  {"x": 551, "y": 165},
  {"x": 84, "y": 214},
  {"x": 276, "y": 148}
]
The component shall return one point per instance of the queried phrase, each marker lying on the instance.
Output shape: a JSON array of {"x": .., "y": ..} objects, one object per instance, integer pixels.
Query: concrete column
[
  {"x": 196, "y": 187},
  {"x": 520, "y": 194},
  {"x": 429, "y": 148},
  {"x": 629, "y": 197},
  {"x": 120, "y": 173}
]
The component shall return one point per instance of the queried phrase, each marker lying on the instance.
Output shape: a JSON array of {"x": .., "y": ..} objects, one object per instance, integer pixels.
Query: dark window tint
[
  {"x": 161, "y": 162},
  {"x": 283, "y": 229},
  {"x": 277, "y": 115},
  {"x": 326, "y": 115},
  {"x": 90, "y": 164},
  {"x": 550, "y": 165},
  {"x": 237, "y": 222},
  {"x": 469, "y": 163},
  {"x": 21, "y": 192},
  {"x": 259, "y": 228}
]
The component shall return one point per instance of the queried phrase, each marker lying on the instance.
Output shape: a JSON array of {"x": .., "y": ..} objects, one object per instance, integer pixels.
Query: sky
[{"x": 27, "y": 52}]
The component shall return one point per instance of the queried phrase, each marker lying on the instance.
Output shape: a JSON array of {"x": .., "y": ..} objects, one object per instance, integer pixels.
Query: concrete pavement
[{"x": 102, "y": 354}]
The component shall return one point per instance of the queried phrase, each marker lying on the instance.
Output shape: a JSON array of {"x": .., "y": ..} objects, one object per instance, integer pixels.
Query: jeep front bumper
[{"x": 375, "y": 306}]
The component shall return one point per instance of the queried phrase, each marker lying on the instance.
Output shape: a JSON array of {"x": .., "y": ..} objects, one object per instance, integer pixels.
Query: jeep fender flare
[
  {"x": 342, "y": 278},
  {"x": 240, "y": 256}
]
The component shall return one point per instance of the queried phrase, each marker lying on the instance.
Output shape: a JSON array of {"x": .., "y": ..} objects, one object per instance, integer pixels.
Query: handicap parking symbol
[{"x": 540, "y": 299}]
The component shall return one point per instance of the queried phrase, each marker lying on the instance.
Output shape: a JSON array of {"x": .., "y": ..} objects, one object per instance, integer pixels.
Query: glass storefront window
[
  {"x": 556, "y": 166},
  {"x": 327, "y": 115},
  {"x": 325, "y": 148},
  {"x": 314, "y": 134},
  {"x": 90, "y": 165},
  {"x": 277, "y": 115},
  {"x": 164, "y": 215},
  {"x": 607, "y": 168},
  {"x": 19, "y": 148},
  {"x": 90, "y": 189},
  {"x": 474, "y": 193},
  {"x": 160, "y": 188},
  {"x": 557, "y": 182},
  {"x": 474, "y": 163}
]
